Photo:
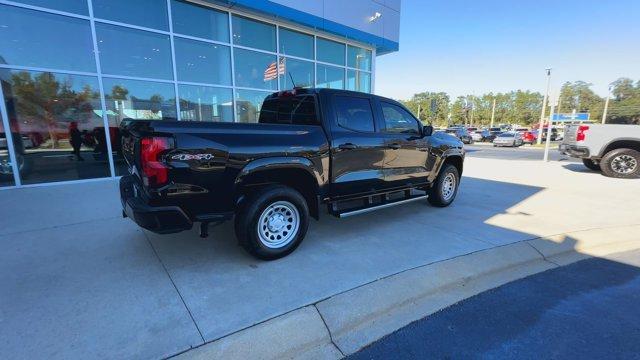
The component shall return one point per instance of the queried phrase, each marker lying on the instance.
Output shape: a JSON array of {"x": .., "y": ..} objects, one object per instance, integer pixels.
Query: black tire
[
  {"x": 250, "y": 212},
  {"x": 591, "y": 165},
  {"x": 438, "y": 197},
  {"x": 616, "y": 163}
]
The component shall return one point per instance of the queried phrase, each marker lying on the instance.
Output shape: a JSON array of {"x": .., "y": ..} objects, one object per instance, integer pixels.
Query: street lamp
[
  {"x": 544, "y": 105},
  {"x": 606, "y": 105}
]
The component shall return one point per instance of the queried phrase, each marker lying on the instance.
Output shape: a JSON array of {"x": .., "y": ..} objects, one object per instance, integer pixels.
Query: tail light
[
  {"x": 581, "y": 134},
  {"x": 155, "y": 172}
]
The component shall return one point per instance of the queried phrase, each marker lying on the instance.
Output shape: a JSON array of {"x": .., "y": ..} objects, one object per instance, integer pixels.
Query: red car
[{"x": 529, "y": 137}]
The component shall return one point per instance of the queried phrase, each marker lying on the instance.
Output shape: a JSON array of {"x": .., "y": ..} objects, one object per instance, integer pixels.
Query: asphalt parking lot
[
  {"x": 584, "y": 310},
  {"x": 80, "y": 281}
]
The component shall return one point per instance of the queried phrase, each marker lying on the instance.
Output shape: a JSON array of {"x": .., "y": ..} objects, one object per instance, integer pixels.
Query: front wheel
[
  {"x": 621, "y": 163},
  {"x": 272, "y": 222},
  {"x": 445, "y": 188}
]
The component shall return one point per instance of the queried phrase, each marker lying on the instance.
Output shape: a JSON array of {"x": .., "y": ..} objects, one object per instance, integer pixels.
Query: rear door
[
  {"x": 357, "y": 149},
  {"x": 406, "y": 150}
]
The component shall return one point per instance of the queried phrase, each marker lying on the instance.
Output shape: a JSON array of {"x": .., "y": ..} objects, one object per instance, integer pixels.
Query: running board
[{"x": 385, "y": 205}]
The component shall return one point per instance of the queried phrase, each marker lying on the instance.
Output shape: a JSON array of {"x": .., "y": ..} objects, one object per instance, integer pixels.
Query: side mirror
[{"x": 427, "y": 130}]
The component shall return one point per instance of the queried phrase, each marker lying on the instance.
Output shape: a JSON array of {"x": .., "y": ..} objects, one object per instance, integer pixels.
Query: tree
[
  {"x": 624, "y": 108},
  {"x": 423, "y": 102},
  {"x": 44, "y": 99}
]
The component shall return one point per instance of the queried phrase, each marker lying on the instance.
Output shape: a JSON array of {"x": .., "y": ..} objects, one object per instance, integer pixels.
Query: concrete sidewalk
[{"x": 80, "y": 281}]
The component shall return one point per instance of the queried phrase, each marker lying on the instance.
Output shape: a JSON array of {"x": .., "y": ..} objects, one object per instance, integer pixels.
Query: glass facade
[{"x": 156, "y": 59}]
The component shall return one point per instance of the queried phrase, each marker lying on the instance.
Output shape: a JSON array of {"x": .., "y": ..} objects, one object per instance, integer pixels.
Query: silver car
[{"x": 508, "y": 139}]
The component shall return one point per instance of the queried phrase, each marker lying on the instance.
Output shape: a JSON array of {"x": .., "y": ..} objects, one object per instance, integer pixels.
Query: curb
[{"x": 346, "y": 322}]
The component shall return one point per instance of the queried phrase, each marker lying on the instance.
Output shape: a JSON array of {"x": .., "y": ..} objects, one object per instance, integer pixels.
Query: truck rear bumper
[
  {"x": 158, "y": 219},
  {"x": 574, "y": 151}
]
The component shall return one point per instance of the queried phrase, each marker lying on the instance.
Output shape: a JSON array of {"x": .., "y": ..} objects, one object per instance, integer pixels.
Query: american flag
[{"x": 271, "y": 73}]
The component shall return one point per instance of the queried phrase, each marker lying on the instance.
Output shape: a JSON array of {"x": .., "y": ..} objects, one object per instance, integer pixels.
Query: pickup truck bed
[{"x": 310, "y": 148}]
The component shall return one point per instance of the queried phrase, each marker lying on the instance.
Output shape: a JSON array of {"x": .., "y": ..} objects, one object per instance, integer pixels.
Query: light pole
[
  {"x": 547, "y": 143},
  {"x": 493, "y": 112},
  {"x": 606, "y": 105},
  {"x": 544, "y": 105}
]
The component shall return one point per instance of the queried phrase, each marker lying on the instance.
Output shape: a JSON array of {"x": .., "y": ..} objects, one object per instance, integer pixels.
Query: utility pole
[
  {"x": 493, "y": 112},
  {"x": 547, "y": 143},
  {"x": 544, "y": 106},
  {"x": 606, "y": 106}
]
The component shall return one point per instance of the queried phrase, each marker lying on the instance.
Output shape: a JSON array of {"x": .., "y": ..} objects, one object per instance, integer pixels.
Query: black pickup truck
[{"x": 351, "y": 152}]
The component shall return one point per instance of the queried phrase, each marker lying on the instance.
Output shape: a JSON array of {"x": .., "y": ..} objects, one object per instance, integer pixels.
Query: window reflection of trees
[{"x": 45, "y": 107}]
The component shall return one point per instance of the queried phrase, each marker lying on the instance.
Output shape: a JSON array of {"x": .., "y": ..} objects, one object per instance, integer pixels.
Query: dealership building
[{"x": 72, "y": 70}]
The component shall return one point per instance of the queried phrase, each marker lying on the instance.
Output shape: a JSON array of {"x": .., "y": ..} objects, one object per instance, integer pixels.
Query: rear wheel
[
  {"x": 445, "y": 188},
  {"x": 591, "y": 164},
  {"x": 621, "y": 163},
  {"x": 272, "y": 222}
]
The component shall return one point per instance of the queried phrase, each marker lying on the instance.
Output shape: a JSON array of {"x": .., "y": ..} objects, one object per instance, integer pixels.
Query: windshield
[{"x": 506, "y": 135}]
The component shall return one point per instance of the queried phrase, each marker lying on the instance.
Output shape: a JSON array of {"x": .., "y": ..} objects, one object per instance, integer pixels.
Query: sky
[{"x": 474, "y": 47}]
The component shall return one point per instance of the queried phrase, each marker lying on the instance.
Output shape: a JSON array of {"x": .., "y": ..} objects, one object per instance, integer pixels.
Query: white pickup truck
[{"x": 612, "y": 149}]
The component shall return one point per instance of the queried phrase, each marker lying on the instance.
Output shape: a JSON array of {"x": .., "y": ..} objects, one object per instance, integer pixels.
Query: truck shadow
[
  {"x": 337, "y": 254},
  {"x": 579, "y": 168}
]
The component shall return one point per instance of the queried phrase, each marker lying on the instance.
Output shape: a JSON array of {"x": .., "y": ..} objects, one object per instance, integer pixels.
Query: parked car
[
  {"x": 510, "y": 138},
  {"x": 460, "y": 133},
  {"x": 530, "y": 137},
  {"x": 610, "y": 148},
  {"x": 311, "y": 148},
  {"x": 482, "y": 136}
]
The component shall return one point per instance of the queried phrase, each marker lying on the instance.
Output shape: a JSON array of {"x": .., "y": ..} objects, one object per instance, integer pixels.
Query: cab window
[
  {"x": 398, "y": 120},
  {"x": 354, "y": 113},
  {"x": 294, "y": 110}
]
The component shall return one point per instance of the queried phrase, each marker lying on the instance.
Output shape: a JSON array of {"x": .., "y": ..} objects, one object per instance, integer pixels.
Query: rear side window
[
  {"x": 294, "y": 110},
  {"x": 354, "y": 113},
  {"x": 398, "y": 120}
]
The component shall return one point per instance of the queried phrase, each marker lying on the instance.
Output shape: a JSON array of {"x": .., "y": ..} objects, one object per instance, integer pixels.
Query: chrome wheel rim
[
  {"x": 278, "y": 224},
  {"x": 624, "y": 164},
  {"x": 448, "y": 186}
]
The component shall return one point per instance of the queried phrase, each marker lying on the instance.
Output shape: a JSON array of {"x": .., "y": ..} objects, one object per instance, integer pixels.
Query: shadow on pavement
[
  {"x": 580, "y": 168},
  {"x": 583, "y": 310},
  {"x": 227, "y": 290}
]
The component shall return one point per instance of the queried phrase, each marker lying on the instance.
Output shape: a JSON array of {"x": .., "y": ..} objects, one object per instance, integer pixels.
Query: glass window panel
[
  {"x": 354, "y": 113},
  {"x": 130, "y": 52},
  {"x": 329, "y": 77},
  {"x": 255, "y": 34},
  {"x": 147, "y": 13},
  {"x": 202, "y": 62},
  {"x": 358, "y": 81},
  {"x": 6, "y": 171},
  {"x": 248, "y": 104},
  {"x": 359, "y": 58},
  {"x": 330, "y": 51},
  {"x": 58, "y": 119},
  {"x": 204, "y": 103},
  {"x": 72, "y": 6},
  {"x": 35, "y": 38},
  {"x": 296, "y": 44},
  {"x": 301, "y": 72},
  {"x": 199, "y": 21},
  {"x": 255, "y": 69},
  {"x": 398, "y": 120},
  {"x": 136, "y": 100},
  {"x": 294, "y": 110}
]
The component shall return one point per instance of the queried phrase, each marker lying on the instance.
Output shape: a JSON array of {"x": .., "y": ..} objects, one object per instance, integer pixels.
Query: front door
[
  {"x": 357, "y": 149},
  {"x": 406, "y": 150}
]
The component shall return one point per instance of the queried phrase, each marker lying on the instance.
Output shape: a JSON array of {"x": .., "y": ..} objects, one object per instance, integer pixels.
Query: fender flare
[{"x": 441, "y": 160}]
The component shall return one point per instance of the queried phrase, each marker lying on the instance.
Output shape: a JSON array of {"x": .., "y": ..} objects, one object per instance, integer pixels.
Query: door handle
[
  {"x": 347, "y": 146},
  {"x": 394, "y": 146}
]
